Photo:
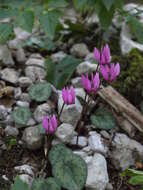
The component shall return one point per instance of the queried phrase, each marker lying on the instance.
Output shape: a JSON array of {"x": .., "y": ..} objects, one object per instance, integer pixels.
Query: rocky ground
[{"x": 107, "y": 153}]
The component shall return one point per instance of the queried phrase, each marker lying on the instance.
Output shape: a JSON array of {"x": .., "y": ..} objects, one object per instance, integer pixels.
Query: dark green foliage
[
  {"x": 19, "y": 185},
  {"x": 59, "y": 74},
  {"x": 136, "y": 28},
  {"x": 45, "y": 184},
  {"x": 69, "y": 169},
  {"x": 21, "y": 115},
  {"x": 103, "y": 119},
  {"x": 37, "y": 184},
  {"x": 40, "y": 91},
  {"x": 6, "y": 32}
]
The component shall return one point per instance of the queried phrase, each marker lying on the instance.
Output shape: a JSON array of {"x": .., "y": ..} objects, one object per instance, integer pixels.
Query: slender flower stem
[
  {"x": 47, "y": 144},
  {"x": 59, "y": 115},
  {"x": 79, "y": 121}
]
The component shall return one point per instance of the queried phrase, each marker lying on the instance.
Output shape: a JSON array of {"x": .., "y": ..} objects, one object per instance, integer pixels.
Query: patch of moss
[{"x": 130, "y": 81}]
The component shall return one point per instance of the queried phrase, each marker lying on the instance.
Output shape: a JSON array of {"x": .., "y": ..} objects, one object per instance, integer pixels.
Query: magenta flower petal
[
  {"x": 68, "y": 95},
  {"x": 107, "y": 54},
  {"x": 73, "y": 94},
  {"x": 96, "y": 82},
  {"x": 97, "y": 54},
  {"x": 54, "y": 122},
  {"x": 117, "y": 69},
  {"x": 104, "y": 69},
  {"x": 45, "y": 123}
]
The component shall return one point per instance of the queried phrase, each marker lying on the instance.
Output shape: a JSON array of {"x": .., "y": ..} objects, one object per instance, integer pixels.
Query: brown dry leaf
[
  {"x": 7, "y": 102},
  {"x": 139, "y": 165},
  {"x": 6, "y": 91}
]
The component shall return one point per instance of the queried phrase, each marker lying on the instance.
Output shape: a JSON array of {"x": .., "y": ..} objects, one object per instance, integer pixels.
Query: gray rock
[
  {"x": 26, "y": 169},
  {"x": 96, "y": 143},
  {"x": 82, "y": 154},
  {"x": 76, "y": 82},
  {"x": 126, "y": 39},
  {"x": 65, "y": 132},
  {"x": 41, "y": 111},
  {"x": 97, "y": 178},
  {"x": 92, "y": 19},
  {"x": 57, "y": 57},
  {"x": 35, "y": 67},
  {"x": 36, "y": 60},
  {"x": 80, "y": 93},
  {"x": 87, "y": 149},
  {"x": 82, "y": 141},
  {"x": 11, "y": 131},
  {"x": 9, "y": 75},
  {"x": 25, "y": 97},
  {"x": 24, "y": 81},
  {"x": 109, "y": 187},
  {"x": 26, "y": 178},
  {"x": 71, "y": 113},
  {"x": 3, "y": 112},
  {"x": 86, "y": 67},
  {"x": 21, "y": 34},
  {"x": 105, "y": 134},
  {"x": 34, "y": 73},
  {"x": 125, "y": 151},
  {"x": 5, "y": 56},
  {"x": 22, "y": 103},
  {"x": 32, "y": 138},
  {"x": 79, "y": 50},
  {"x": 17, "y": 93},
  {"x": 20, "y": 55}
]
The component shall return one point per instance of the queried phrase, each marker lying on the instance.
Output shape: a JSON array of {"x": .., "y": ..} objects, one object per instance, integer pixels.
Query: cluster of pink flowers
[{"x": 108, "y": 70}]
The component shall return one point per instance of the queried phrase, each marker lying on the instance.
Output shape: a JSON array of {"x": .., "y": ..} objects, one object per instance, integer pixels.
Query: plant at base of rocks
[
  {"x": 21, "y": 115},
  {"x": 69, "y": 169},
  {"x": 40, "y": 92},
  {"x": 108, "y": 70},
  {"x": 136, "y": 177},
  {"x": 50, "y": 126}
]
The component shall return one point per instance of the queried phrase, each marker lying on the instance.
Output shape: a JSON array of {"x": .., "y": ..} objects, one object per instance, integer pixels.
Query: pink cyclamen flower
[
  {"x": 104, "y": 56},
  {"x": 91, "y": 85},
  {"x": 110, "y": 72},
  {"x": 68, "y": 95},
  {"x": 50, "y": 124}
]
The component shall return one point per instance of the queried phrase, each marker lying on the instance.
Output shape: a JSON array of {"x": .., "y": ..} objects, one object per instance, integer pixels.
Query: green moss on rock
[{"x": 130, "y": 81}]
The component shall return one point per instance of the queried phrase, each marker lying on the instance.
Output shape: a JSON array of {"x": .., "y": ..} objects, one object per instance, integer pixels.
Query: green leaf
[
  {"x": 103, "y": 119},
  {"x": 21, "y": 115},
  {"x": 131, "y": 172},
  {"x": 40, "y": 91},
  {"x": 45, "y": 184},
  {"x": 19, "y": 185},
  {"x": 106, "y": 16},
  {"x": 57, "y": 3},
  {"x": 49, "y": 22},
  {"x": 7, "y": 13},
  {"x": 6, "y": 32},
  {"x": 80, "y": 5},
  {"x": 136, "y": 180},
  {"x": 60, "y": 74},
  {"x": 69, "y": 169},
  {"x": 26, "y": 20},
  {"x": 41, "y": 129},
  {"x": 108, "y": 3},
  {"x": 137, "y": 28}
]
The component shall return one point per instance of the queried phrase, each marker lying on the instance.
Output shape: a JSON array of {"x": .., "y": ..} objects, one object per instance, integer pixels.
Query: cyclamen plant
[{"x": 109, "y": 71}]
